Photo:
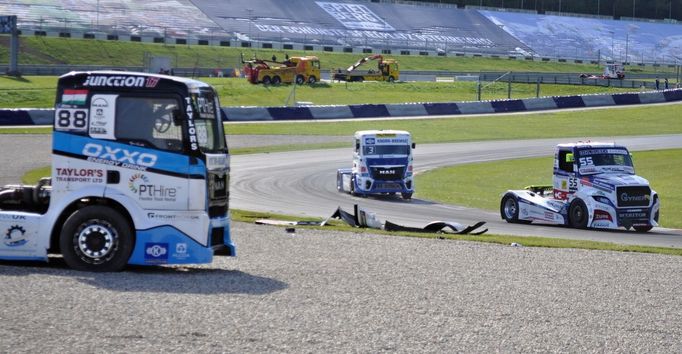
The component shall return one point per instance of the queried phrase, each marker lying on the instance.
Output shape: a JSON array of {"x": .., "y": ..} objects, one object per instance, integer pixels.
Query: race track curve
[{"x": 304, "y": 183}]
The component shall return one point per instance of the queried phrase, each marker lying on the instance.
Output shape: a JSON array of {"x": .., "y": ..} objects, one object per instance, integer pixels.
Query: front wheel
[
  {"x": 266, "y": 80},
  {"x": 391, "y": 79},
  {"x": 312, "y": 79},
  {"x": 300, "y": 80},
  {"x": 276, "y": 80},
  {"x": 407, "y": 195},
  {"x": 96, "y": 238},
  {"x": 577, "y": 214}
]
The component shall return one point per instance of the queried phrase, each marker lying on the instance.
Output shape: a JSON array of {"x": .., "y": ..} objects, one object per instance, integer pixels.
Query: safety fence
[{"x": 15, "y": 117}]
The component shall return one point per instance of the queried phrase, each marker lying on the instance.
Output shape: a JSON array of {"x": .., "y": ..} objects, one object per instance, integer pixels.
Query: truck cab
[
  {"x": 140, "y": 175},
  {"x": 594, "y": 185},
  {"x": 382, "y": 164}
]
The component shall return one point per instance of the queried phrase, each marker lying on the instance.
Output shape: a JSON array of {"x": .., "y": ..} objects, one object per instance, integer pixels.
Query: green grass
[
  {"x": 480, "y": 185},
  {"x": 39, "y": 92},
  {"x": 49, "y": 50},
  {"x": 660, "y": 119}
]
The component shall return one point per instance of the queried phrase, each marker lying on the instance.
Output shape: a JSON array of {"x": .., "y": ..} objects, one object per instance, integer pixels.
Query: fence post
[
  {"x": 537, "y": 89},
  {"x": 509, "y": 88},
  {"x": 478, "y": 89}
]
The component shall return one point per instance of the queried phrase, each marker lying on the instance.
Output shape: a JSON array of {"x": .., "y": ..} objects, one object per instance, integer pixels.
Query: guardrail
[{"x": 13, "y": 117}]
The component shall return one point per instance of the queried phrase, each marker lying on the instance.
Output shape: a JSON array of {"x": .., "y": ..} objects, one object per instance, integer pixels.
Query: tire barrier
[{"x": 13, "y": 117}]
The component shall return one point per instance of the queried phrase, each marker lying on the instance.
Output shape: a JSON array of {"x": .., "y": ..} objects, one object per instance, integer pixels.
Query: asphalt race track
[{"x": 304, "y": 183}]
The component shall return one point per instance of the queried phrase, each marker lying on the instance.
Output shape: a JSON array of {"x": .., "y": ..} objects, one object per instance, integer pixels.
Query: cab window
[
  {"x": 148, "y": 121},
  {"x": 565, "y": 162}
]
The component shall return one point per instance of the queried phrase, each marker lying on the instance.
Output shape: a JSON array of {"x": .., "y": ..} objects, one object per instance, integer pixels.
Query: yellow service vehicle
[
  {"x": 387, "y": 70},
  {"x": 295, "y": 69}
]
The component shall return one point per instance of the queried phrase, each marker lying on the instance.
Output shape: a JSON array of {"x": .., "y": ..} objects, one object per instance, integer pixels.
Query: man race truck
[
  {"x": 140, "y": 175},
  {"x": 594, "y": 185},
  {"x": 382, "y": 164}
]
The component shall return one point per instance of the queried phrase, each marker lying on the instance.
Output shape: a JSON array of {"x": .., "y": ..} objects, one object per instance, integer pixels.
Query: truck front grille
[
  {"x": 633, "y": 196},
  {"x": 388, "y": 173}
]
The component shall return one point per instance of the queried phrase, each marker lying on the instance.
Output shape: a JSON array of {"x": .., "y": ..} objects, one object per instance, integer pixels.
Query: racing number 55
[{"x": 72, "y": 119}]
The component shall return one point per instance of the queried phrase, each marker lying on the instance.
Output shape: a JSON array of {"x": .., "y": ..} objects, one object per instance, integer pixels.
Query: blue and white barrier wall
[{"x": 9, "y": 117}]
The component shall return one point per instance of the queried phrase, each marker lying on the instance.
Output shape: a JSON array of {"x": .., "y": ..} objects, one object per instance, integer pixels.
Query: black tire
[
  {"x": 276, "y": 80},
  {"x": 406, "y": 196},
  {"x": 312, "y": 79},
  {"x": 300, "y": 80},
  {"x": 509, "y": 209},
  {"x": 266, "y": 80},
  {"x": 577, "y": 214},
  {"x": 391, "y": 79},
  {"x": 96, "y": 238}
]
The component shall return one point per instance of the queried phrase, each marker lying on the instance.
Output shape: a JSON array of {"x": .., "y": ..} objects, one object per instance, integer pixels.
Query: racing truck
[
  {"x": 387, "y": 70},
  {"x": 295, "y": 69},
  {"x": 139, "y": 175},
  {"x": 382, "y": 164},
  {"x": 594, "y": 185}
]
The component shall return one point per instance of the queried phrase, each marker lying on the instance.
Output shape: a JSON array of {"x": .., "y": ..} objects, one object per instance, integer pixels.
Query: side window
[
  {"x": 357, "y": 145},
  {"x": 565, "y": 165},
  {"x": 148, "y": 121}
]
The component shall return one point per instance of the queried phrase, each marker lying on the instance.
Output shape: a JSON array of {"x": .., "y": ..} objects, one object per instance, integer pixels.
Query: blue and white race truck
[
  {"x": 594, "y": 185},
  {"x": 140, "y": 175},
  {"x": 382, "y": 164}
]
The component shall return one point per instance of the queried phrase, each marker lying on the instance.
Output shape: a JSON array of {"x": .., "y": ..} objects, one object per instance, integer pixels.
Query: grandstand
[{"x": 354, "y": 26}]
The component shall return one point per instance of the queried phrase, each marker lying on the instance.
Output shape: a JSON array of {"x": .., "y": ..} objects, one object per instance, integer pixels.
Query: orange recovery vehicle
[{"x": 297, "y": 70}]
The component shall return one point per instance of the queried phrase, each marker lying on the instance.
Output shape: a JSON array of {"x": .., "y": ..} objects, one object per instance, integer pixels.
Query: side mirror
[
  {"x": 570, "y": 158},
  {"x": 414, "y": 145},
  {"x": 177, "y": 117}
]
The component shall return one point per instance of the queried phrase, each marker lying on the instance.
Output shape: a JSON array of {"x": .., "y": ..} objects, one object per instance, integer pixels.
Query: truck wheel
[
  {"x": 509, "y": 210},
  {"x": 312, "y": 79},
  {"x": 96, "y": 238},
  {"x": 266, "y": 80},
  {"x": 300, "y": 80},
  {"x": 577, "y": 214},
  {"x": 643, "y": 228},
  {"x": 276, "y": 80},
  {"x": 406, "y": 196},
  {"x": 391, "y": 79}
]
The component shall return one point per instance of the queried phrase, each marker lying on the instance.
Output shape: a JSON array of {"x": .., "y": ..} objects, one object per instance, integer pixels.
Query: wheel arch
[{"x": 81, "y": 203}]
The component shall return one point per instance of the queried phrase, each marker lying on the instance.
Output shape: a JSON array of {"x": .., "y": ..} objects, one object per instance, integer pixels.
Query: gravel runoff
[{"x": 315, "y": 291}]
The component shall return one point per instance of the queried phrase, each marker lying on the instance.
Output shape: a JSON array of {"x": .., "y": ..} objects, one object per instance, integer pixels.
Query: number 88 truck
[{"x": 140, "y": 175}]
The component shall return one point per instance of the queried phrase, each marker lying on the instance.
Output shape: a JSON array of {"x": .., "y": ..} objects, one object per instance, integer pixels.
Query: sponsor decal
[
  {"x": 119, "y": 157},
  {"x": 74, "y": 97},
  {"x": 140, "y": 185},
  {"x": 156, "y": 252},
  {"x": 601, "y": 224},
  {"x": 549, "y": 215},
  {"x": 192, "y": 129},
  {"x": 625, "y": 197},
  {"x": 170, "y": 217},
  {"x": 355, "y": 16},
  {"x": 370, "y": 141},
  {"x": 15, "y": 236},
  {"x": 120, "y": 81},
  {"x": 89, "y": 175},
  {"x": 386, "y": 172},
  {"x": 181, "y": 251},
  {"x": 392, "y": 141},
  {"x": 12, "y": 217}
]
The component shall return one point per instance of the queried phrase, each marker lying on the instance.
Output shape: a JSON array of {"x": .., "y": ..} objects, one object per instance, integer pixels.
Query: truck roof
[
  {"x": 374, "y": 132},
  {"x": 190, "y": 83}
]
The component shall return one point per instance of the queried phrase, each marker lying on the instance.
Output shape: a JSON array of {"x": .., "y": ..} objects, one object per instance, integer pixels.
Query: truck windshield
[
  {"x": 386, "y": 150},
  {"x": 207, "y": 119},
  {"x": 591, "y": 161}
]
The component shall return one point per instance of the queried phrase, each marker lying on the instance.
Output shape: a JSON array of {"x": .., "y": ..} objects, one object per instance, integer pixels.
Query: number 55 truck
[
  {"x": 140, "y": 175},
  {"x": 594, "y": 185},
  {"x": 382, "y": 164}
]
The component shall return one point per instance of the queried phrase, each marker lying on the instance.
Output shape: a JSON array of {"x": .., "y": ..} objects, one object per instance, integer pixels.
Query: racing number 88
[{"x": 76, "y": 119}]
